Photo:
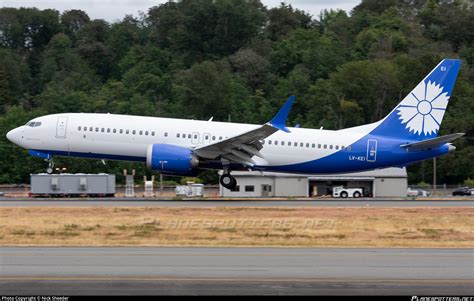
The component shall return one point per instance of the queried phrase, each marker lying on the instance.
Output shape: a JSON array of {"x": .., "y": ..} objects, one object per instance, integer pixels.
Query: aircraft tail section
[{"x": 419, "y": 115}]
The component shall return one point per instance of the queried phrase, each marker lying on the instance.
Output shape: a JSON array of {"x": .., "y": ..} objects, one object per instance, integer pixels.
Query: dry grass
[{"x": 132, "y": 226}]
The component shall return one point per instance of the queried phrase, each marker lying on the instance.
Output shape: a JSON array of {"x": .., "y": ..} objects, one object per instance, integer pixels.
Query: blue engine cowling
[{"x": 171, "y": 159}]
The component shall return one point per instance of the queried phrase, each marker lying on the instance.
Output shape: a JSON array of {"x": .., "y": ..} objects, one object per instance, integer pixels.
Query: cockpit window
[{"x": 33, "y": 124}]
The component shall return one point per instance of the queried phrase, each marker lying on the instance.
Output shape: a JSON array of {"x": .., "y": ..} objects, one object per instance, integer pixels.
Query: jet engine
[{"x": 171, "y": 159}]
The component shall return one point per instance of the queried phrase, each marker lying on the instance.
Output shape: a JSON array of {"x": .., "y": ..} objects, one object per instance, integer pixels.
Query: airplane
[{"x": 409, "y": 133}]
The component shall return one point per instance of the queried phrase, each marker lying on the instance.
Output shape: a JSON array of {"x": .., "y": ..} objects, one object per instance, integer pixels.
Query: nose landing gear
[
  {"x": 227, "y": 180},
  {"x": 49, "y": 170}
]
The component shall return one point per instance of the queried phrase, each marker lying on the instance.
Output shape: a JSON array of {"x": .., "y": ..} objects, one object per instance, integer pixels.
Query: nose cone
[
  {"x": 13, "y": 136},
  {"x": 10, "y": 135}
]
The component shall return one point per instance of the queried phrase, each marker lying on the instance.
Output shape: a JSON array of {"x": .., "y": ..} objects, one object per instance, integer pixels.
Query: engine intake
[{"x": 171, "y": 159}]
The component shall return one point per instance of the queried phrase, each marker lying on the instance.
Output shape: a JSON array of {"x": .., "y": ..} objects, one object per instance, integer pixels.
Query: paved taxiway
[
  {"x": 117, "y": 202},
  {"x": 96, "y": 270}
]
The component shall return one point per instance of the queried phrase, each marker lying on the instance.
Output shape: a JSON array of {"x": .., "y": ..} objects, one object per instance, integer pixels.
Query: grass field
[{"x": 331, "y": 227}]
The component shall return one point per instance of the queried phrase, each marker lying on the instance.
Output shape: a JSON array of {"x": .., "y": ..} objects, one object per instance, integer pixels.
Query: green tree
[
  {"x": 205, "y": 91},
  {"x": 73, "y": 21},
  {"x": 284, "y": 19}
]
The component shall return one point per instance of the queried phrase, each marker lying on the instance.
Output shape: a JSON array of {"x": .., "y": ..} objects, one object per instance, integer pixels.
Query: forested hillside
[{"x": 235, "y": 60}]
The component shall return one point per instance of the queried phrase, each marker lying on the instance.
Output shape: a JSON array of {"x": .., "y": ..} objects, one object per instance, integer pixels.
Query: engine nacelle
[{"x": 171, "y": 159}]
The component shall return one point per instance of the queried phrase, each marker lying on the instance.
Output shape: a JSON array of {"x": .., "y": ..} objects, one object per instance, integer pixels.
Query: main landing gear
[{"x": 227, "y": 180}]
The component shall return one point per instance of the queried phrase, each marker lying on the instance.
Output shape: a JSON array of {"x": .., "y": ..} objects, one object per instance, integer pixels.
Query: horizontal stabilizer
[{"x": 431, "y": 143}]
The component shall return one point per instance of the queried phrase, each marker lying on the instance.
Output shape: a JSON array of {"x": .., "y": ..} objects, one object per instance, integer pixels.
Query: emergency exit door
[{"x": 371, "y": 150}]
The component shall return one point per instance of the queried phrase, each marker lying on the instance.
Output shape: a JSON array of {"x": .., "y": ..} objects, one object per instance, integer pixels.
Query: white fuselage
[{"x": 130, "y": 136}]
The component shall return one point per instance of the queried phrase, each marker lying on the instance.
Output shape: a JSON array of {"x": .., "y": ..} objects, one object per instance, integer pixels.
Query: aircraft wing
[
  {"x": 241, "y": 148},
  {"x": 431, "y": 143}
]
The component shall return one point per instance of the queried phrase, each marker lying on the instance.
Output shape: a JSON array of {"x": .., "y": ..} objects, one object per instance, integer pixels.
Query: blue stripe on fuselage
[
  {"x": 389, "y": 153},
  {"x": 93, "y": 155}
]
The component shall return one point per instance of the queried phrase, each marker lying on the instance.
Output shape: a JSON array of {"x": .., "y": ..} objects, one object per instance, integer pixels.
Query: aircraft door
[
  {"x": 195, "y": 138},
  {"x": 206, "y": 138},
  {"x": 61, "y": 127},
  {"x": 371, "y": 150}
]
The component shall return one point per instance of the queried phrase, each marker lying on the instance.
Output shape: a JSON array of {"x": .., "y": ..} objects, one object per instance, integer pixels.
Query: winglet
[{"x": 279, "y": 120}]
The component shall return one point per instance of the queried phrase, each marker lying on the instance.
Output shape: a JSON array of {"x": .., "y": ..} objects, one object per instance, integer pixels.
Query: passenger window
[
  {"x": 85, "y": 129},
  {"x": 276, "y": 142},
  {"x": 269, "y": 141},
  {"x": 78, "y": 128},
  {"x": 263, "y": 142},
  {"x": 295, "y": 144},
  {"x": 325, "y": 146},
  {"x": 213, "y": 137},
  {"x": 121, "y": 131},
  {"x": 146, "y": 133},
  {"x": 177, "y": 135},
  {"x": 220, "y": 137},
  {"x": 140, "y": 133},
  {"x": 166, "y": 134},
  {"x": 97, "y": 129},
  {"x": 289, "y": 143},
  {"x": 189, "y": 136},
  {"x": 337, "y": 147},
  {"x": 307, "y": 144},
  {"x": 102, "y": 130},
  {"x": 115, "y": 131},
  {"x": 319, "y": 145},
  {"x": 330, "y": 146},
  {"x": 184, "y": 136},
  {"x": 134, "y": 132},
  {"x": 313, "y": 145},
  {"x": 91, "y": 129},
  {"x": 108, "y": 130},
  {"x": 206, "y": 137},
  {"x": 153, "y": 133},
  {"x": 127, "y": 132},
  {"x": 301, "y": 144}
]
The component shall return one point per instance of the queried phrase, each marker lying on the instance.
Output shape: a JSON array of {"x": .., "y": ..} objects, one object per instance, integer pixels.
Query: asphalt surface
[
  {"x": 117, "y": 202},
  {"x": 325, "y": 271}
]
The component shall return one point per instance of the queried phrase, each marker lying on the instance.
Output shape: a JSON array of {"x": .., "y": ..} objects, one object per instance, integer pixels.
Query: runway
[
  {"x": 9, "y": 202},
  {"x": 96, "y": 270}
]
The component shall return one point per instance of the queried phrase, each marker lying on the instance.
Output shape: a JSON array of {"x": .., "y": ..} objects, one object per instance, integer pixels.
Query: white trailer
[{"x": 67, "y": 185}]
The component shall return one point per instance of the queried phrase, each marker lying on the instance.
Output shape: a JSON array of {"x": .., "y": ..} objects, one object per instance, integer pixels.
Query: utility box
[
  {"x": 190, "y": 190},
  {"x": 63, "y": 185}
]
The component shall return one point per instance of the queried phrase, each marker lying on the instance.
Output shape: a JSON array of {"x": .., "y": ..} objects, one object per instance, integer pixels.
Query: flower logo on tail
[{"x": 423, "y": 109}]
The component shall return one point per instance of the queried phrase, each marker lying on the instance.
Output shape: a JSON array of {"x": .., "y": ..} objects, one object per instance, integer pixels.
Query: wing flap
[{"x": 241, "y": 148}]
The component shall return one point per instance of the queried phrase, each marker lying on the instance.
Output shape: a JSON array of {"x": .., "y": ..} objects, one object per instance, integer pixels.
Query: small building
[{"x": 387, "y": 182}]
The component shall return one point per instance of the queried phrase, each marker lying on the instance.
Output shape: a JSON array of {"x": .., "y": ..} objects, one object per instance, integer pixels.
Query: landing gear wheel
[
  {"x": 49, "y": 170},
  {"x": 228, "y": 181}
]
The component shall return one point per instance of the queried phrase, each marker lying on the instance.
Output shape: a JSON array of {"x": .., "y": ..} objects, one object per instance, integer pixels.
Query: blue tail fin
[{"x": 419, "y": 115}]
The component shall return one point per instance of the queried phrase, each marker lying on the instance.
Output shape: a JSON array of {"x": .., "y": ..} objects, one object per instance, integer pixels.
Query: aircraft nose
[{"x": 11, "y": 135}]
